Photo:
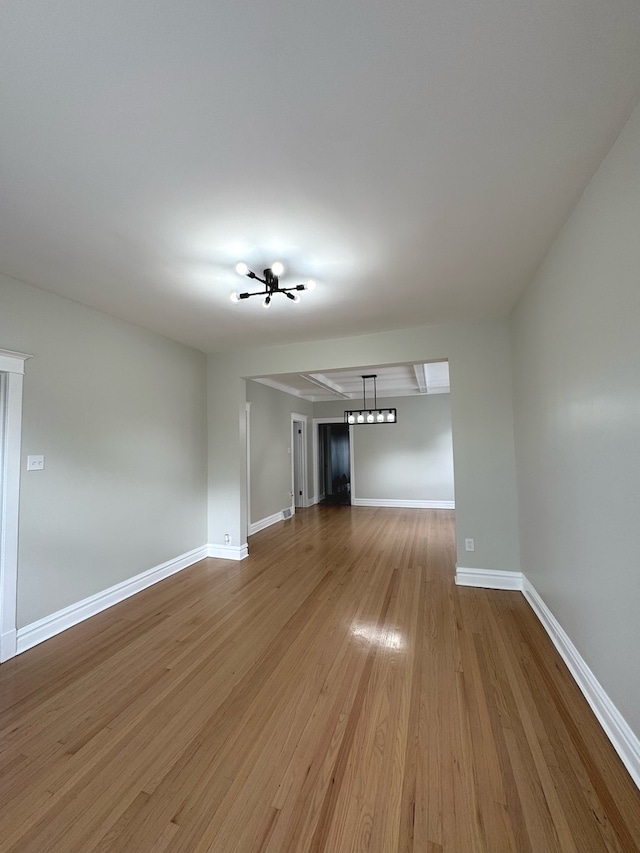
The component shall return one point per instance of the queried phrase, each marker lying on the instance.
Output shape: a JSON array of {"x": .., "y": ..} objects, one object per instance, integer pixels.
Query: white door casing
[
  {"x": 11, "y": 382},
  {"x": 299, "y": 480}
]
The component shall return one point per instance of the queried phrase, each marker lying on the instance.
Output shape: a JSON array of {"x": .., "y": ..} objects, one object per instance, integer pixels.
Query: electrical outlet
[
  {"x": 35, "y": 463},
  {"x": 470, "y": 544}
]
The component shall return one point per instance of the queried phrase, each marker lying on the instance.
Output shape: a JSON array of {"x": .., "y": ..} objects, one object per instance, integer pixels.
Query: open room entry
[
  {"x": 334, "y": 463},
  {"x": 305, "y": 453}
]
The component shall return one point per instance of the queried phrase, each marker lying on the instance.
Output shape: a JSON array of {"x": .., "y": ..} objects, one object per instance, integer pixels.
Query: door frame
[
  {"x": 315, "y": 454},
  {"x": 11, "y": 383},
  {"x": 248, "y": 452},
  {"x": 296, "y": 417}
]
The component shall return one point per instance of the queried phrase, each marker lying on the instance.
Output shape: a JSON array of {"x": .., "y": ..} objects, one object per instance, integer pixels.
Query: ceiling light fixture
[
  {"x": 367, "y": 415},
  {"x": 271, "y": 283}
]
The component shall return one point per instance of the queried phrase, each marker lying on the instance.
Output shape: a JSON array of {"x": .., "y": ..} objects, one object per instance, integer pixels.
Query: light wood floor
[{"x": 334, "y": 692}]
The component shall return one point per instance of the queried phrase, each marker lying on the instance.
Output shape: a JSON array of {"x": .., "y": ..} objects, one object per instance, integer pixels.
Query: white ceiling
[
  {"x": 397, "y": 380},
  {"x": 416, "y": 159}
]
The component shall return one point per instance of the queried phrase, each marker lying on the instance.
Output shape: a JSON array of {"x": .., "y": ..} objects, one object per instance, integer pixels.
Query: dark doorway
[{"x": 334, "y": 463}]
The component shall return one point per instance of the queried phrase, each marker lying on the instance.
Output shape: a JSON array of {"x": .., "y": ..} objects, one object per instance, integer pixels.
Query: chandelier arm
[
  {"x": 274, "y": 285},
  {"x": 271, "y": 282}
]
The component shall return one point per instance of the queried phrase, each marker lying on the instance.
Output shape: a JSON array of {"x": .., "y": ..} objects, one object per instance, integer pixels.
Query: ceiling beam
[
  {"x": 421, "y": 378},
  {"x": 326, "y": 383}
]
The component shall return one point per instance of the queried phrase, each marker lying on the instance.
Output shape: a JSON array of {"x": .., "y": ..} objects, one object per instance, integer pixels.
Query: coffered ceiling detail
[{"x": 399, "y": 380}]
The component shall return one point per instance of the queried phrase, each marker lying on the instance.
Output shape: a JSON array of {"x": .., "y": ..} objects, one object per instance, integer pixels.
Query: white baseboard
[
  {"x": 488, "y": 578},
  {"x": 265, "y": 522},
  {"x": 228, "y": 552},
  {"x": 55, "y": 623},
  {"x": 257, "y": 526},
  {"x": 8, "y": 645},
  {"x": 403, "y": 503},
  {"x": 625, "y": 742}
]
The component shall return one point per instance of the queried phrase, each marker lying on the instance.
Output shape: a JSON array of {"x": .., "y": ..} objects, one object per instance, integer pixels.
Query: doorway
[{"x": 334, "y": 463}]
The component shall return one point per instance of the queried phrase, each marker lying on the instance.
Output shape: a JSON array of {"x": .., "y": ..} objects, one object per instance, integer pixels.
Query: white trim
[
  {"x": 288, "y": 389},
  {"x": 12, "y": 366},
  {"x": 404, "y": 503},
  {"x": 228, "y": 552},
  {"x": 12, "y": 362},
  {"x": 352, "y": 465},
  {"x": 326, "y": 384},
  {"x": 265, "y": 522},
  {"x": 488, "y": 578},
  {"x": 296, "y": 417},
  {"x": 420, "y": 371},
  {"x": 8, "y": 645},
  {"x": 55, "y": 623},
  {"x": 625, "y": 742},
  {"x": 248, "y": 452}
]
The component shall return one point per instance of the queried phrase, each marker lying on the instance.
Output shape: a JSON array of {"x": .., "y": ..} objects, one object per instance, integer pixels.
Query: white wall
[
  {"x": 270, "y": 448},
  {"x": 481, "y": 412},
  {"x": 119, "y": 414},
  {"x": 411, "y": 460},
  {"x": 576, "y": 345}
]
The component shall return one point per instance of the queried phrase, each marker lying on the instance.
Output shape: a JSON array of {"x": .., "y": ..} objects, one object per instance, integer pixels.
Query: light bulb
[
  {"x": 267, "y": 302},
  {"x": 310, "y": 285},
  {"x": 380, "y": 417},
  {"x": 296, "y": 297},
  {"x": 391, "y": 417},
  {"x": 360, "y": 418},
  {"x": 351, "y": 419},
  {"x": 235, "y": 297},
  {"x": 242, "y": 268},
  {"x": 277, "y": 268},
  {"x": 370, "y": 418}
]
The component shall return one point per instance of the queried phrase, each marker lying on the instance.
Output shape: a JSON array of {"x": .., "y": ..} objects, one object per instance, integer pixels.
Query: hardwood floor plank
[{"x": 333, "y": 693}]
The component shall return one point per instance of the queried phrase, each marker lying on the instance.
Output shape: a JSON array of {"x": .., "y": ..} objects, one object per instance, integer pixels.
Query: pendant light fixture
[
  {"x": 367, "y": 415},
  {"x": 271, "y": 283}
]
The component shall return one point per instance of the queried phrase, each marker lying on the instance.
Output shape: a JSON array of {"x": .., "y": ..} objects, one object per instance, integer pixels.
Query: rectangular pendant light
[{"x": 367, "y": 415}]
